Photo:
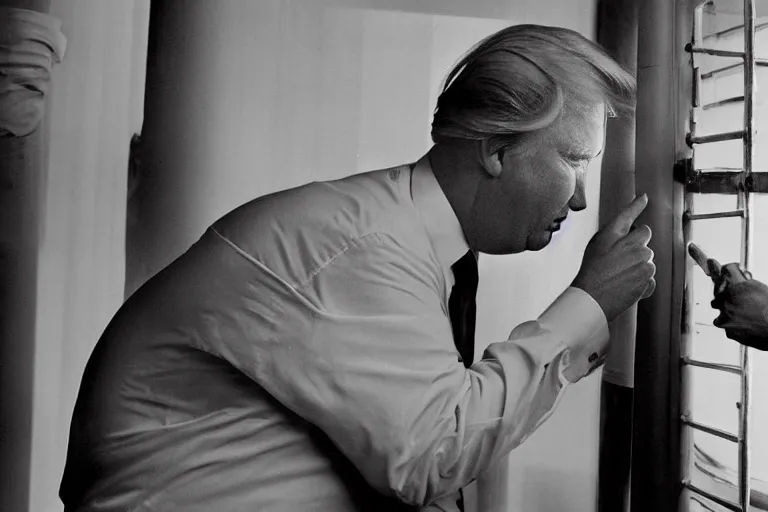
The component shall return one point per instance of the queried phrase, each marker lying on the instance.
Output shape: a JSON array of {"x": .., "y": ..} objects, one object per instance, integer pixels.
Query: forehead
[{"x": 582, "y": 129}]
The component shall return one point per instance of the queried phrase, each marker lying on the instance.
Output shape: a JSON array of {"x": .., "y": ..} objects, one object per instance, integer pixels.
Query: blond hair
[{"x": 521, "y": 79}]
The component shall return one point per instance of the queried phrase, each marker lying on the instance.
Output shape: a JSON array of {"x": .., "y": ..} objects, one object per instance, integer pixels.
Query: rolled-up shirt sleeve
[{"x": 371, "y": 361}]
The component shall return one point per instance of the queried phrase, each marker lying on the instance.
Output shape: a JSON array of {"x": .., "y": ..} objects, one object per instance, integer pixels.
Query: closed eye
[
  {"x": 578, "y": 161},
  {"x": 578, "y": 157},
  {"x": 581, "y": 157}
]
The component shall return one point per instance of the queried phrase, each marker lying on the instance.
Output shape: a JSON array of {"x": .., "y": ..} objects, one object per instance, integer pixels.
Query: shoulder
[
  {"x": 298, "y": 232},
  {"x": 374, "y": 273}
]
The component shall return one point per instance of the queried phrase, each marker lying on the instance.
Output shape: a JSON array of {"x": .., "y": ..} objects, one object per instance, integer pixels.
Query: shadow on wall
[
  {"x": 135, "y": 159},
  {"x": 537, "y": 482}
]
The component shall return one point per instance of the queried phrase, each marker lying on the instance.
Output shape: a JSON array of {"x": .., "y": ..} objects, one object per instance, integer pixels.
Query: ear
[{"x": 493, "y": 163}]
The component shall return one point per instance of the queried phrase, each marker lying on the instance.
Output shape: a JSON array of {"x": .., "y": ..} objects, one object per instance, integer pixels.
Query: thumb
[{"x": 714, "y": 268}]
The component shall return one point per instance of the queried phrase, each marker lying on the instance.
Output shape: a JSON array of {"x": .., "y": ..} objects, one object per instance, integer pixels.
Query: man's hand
[
  {"x": 618, "y": 269},
  {"x": 742, "y": 302}
]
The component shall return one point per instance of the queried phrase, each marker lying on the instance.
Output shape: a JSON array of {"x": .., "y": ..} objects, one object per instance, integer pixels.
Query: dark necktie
[{"x": 462, "y": 309}]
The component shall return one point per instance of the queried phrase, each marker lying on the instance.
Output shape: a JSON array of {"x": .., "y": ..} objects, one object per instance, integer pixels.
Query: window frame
[{"x": 663, "y": 448}]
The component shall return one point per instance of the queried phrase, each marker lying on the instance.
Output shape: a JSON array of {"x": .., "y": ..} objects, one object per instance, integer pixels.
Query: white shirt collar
[{"x": 440, "y": 221}]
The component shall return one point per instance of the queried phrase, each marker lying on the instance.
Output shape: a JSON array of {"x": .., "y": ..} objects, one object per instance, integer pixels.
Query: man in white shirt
[{"x": 314, "y": 349}]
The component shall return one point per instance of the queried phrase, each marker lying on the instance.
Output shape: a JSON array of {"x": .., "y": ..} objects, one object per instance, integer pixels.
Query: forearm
[{"x": 465, "y": 421}]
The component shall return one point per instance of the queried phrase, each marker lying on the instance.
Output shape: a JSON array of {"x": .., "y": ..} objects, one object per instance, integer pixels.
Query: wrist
[
  {"x": 597, "y": 298},
  {"x": 577, "y": 319}
]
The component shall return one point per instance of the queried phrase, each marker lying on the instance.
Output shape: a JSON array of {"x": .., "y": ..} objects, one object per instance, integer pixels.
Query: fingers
[
  {"x": 733, "y": 273},
  {"x": 635, "y": 244},
  {"x": 639, "y": 235},
  {"x": 716, "y": 274},
  {"x": 746, "y": 338},
  {"x": 721, "y": 320},
  {"x": 646, "y": 271},
  {"x": 621, "y": 225},
  {"x": 649, "y": 291},
  {"x": 745, "y": 273},
  {"x": 642, "y": 256},
  {"x": 731, "y": 297},
  {"x": 730, "y": 274},
  {"x": 714, "y": 268},
  {"x": 699, "y": 257}
]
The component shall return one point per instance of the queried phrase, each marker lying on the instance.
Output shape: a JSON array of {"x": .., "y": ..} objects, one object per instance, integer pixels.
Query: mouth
[{"x": 555, "y": 226}]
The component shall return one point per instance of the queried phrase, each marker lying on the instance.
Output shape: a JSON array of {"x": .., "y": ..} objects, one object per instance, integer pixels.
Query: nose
[{"x": 578, "y": 201}]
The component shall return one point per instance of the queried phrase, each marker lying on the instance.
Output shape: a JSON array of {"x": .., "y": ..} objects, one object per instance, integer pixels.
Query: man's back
[
  {"x": 330, "y": 300},
  {"x": 168, "y": 416}
]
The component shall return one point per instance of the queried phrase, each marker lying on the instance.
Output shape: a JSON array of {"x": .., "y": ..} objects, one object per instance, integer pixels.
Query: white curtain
[{"x": 96, "y": 105}]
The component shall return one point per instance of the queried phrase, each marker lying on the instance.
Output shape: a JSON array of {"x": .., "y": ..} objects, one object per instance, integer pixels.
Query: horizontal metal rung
[
  {"x": 721, "y": 103},
  {"x": 731, "y": 30},
  {"x": 720, "y": 71},
  {"x": 710, "y": 430},
  {"x": 729, "y": 368},
  {"x": 725, "y": 69},
  {"x": 711, "y": 497},
  {"x": 687, "y": 216},
  {"x": 715, "y": 137},
  {"x": 713, "y": 51},
  {"x": 706, "y": 181}
]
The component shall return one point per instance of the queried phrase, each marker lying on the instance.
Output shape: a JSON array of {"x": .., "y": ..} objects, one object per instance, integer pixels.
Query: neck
[{"x": 458, "y": 171}]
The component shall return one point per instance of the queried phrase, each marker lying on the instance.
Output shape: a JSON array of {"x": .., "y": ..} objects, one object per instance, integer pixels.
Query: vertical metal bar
[
  {"x": 617, "y": 33},
  {"x": 698, "y": 31},
  {"x": 686, "y": 371},
  {"x": 696, "y": 41},
  {"x": 686, "y": 433},
  {"x": 746, "y": 247}
]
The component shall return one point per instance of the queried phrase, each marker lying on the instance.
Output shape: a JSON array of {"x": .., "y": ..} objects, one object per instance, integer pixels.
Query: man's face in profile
[{"x": 539, "y": 184}]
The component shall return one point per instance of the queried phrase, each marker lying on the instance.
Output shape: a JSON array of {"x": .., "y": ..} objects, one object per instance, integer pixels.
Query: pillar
[
  {"x": 617, "y": 33},
  {"x": 30, "y": 43},
  {"x": 664, "y": 86}
]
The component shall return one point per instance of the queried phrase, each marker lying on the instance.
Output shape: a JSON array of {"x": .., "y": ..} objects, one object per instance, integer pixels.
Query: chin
[{"x": 538, "y": 242}]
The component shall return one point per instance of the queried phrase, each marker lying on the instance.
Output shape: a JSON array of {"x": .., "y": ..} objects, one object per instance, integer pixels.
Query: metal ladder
[{"x": 745, "y": 182}]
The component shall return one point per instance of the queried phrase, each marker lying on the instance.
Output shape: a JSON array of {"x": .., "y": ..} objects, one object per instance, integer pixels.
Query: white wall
[{"x": 260, "y": 96}]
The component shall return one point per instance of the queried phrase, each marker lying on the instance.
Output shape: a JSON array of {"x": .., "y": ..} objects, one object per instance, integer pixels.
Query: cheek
[
  {"x": 556, "y": 187},
  {"x": 564, "y": 188}
]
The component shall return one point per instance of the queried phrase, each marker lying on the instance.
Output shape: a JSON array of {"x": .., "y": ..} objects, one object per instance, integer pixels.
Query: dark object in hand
[{"x": 741, "y": 300}]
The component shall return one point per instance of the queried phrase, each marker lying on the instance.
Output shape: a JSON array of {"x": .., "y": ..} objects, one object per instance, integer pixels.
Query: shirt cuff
[{"x": 580, "y": 322}]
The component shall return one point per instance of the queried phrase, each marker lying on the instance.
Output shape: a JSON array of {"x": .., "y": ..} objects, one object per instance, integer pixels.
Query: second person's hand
[{"x": 742, "y": 302}]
